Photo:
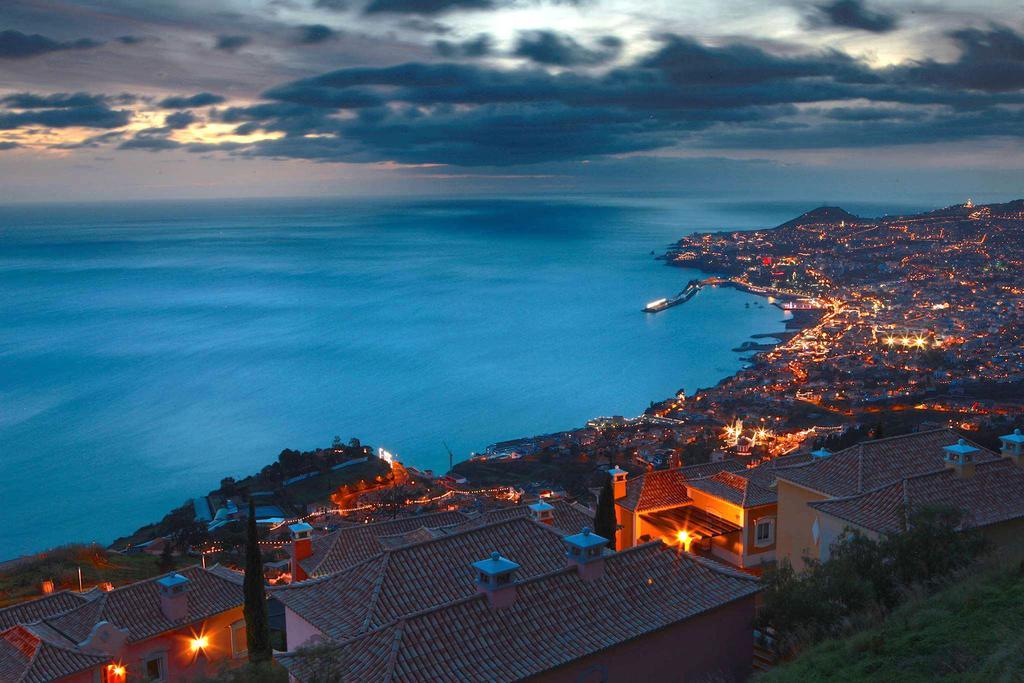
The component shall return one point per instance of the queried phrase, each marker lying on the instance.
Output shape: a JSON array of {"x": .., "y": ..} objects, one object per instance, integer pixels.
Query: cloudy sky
[{"x": 109, "y": 99}]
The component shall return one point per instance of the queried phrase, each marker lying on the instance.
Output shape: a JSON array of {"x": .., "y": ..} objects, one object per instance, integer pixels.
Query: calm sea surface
[{"x": 147, "y": 350}]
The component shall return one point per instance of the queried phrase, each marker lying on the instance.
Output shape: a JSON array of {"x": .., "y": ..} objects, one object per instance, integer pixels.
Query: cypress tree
[
  {"x": 604, "y": 517},
  {"x": 257, "y": 624}
]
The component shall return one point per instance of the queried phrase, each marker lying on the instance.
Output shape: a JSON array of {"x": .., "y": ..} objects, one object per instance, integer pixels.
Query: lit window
[
  {"x": 764, "y": 532},
  {"x": 239, "y": 644}
]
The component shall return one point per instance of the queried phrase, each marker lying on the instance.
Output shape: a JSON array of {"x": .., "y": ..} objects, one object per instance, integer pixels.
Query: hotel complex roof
[
  {"x": 353, "y": 545},
  {"x": 872, "y": 464},
  {"x": 43, "y": 643},
  {"x": 136, "y": 607},
  {"x": 37, "y": 655},
  {"x": 409, "y": 579},
  {"x": 556, "y": 618},
  {"x": 663, "y": 489},
  {"x": 46, "y": 606},
  {"x": 993, "y": 494},
  {"x": 734, "y": 488}
]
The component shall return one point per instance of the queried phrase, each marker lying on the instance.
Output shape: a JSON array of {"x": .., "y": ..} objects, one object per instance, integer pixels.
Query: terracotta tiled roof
[
  {"x": 766, "y": 473},
  {"x": 872, "y": 464},
  {"x": 45, "y": 644},
  {"x": 706, "y": 469},
  {"x": 735, "y": 488},
  {"x": 663, "y": 489},
  {"x": 994, "y": 494},
  {"x": 356, "y": 544},
  {"x": 136, "y": 607},
  {"x": 655, "y": 490},
  {"x": 349, "y": 546},
  {"x": 555, "y": 619},
  {"x": 408, "y": 538},
  {"x": 46, "y": 606},
  {"x": 31, "y": 655},
  {"x": 404, "y": 580},
  {"x": 568, "y": 516}
]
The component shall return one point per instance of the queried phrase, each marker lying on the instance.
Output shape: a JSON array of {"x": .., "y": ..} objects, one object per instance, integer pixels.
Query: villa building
[
  {"x": 876, "y": 486},
  {"x": 796, "y": 506},
  {"x": 723, "y": 509},
  {"x": 518, "y": 599},
  {"x": 180, "y": 626},
  {"x": 313, "y": 556},
  {"x": 851, "y": 473}
]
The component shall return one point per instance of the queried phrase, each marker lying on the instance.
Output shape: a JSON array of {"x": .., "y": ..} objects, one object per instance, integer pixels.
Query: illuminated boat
[{"x": 656, "y": 305}]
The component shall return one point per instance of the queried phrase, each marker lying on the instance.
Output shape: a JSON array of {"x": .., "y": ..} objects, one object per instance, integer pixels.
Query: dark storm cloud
[
  {"x": 559, "y": 49},
  {"x": 687, "y": 62},
  {"x": 26, "y": 100},
  {"x": 63, "y": 110},
  {"x": 89, "y": 116},
  {"x": 332, "y": 5},
  {"x": 426, "y": 7},
  {"x": 18, "y": 45},
  {"x": 231, "y": 43},
  {"x": 480, "y": 46},
  {"x": 202, "y": 99},
  {"x": 853, "y": 14},
  {"x": 315, "y": 33},
  {"x": 130, "y": 40},
  {"x": 682, "y": 93},
  {"x": 991, "y": 60},
  {"x": 330, "y": 98},
  {"x": 435, "y": 7},
  {"x": 6, "y": 144},
  {"x": 179, "y": 119},
  {"x": 870, "y": 114},
  {"x": 943, "y": 127}
]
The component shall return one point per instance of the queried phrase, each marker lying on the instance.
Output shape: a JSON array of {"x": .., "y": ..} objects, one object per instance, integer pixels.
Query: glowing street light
[{"x": 199, "y": 643}]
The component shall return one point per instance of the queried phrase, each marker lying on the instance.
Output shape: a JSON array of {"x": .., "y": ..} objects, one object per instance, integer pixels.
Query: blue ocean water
[{"x": 149, "y": 349}]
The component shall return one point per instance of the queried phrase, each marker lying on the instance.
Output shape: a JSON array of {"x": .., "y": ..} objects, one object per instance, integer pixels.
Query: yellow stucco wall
[{"x": 793, "y": 537}]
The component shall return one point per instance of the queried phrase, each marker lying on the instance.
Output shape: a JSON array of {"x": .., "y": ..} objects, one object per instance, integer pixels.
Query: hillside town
[{"x": 592, "y": 554}]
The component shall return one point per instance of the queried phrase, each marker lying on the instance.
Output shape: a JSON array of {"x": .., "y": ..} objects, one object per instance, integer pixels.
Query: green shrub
[{"x": 863, "y": 576}]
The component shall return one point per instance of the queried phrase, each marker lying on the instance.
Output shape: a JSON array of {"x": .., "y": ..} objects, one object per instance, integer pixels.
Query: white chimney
[
  {"x": 585, "y": 550},
  {"x": 173, "y": 596},
  {"x": 960, "y": 458},
  {"x": 1013, "y": 446},
  {"x": 542, "y": 512},
  {"x": 494, "y": 576}
]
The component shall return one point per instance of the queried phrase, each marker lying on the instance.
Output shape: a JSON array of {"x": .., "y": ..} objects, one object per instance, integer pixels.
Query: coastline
[
  {"x": 798, "y": 321},
  {"x": 741, "y": 364}
]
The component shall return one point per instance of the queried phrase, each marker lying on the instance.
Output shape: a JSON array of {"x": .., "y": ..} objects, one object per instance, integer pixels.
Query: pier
[
  {"x": 692, "y": 287},
  {"x": 784, "y": 299}
]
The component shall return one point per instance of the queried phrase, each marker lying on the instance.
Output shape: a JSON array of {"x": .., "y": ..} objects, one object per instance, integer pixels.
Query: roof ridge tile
[{"x": 375, "y": 594}]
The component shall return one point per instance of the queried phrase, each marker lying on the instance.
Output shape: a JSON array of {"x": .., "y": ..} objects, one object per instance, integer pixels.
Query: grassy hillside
[
  {"x": 21, "y": 579},
  {"x": 973, "y": 630}
]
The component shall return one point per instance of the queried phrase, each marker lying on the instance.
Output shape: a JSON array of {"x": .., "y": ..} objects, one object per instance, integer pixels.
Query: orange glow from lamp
[
  {"x": 116, "y": 673},
  {"x": 198, "y": 643},
  {"x": 685, "y": 539}
]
